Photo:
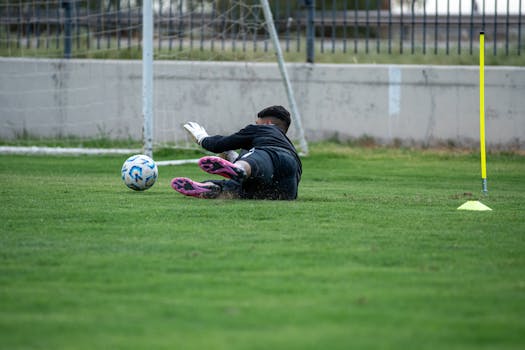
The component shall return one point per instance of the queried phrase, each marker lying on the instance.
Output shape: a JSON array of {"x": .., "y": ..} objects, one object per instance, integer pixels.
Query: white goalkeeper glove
[{"x": 196, "y": 131}]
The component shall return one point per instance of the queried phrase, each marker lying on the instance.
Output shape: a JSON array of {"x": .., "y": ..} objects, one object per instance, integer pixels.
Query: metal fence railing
[{"x": 82, "y": 28}]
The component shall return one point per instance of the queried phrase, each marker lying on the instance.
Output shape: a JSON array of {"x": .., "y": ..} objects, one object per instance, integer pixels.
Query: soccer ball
[{"x": 139, "y": 172}]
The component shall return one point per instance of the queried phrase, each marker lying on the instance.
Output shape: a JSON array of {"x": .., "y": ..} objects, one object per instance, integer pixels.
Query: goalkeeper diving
[{"x": 266, "y": 167}]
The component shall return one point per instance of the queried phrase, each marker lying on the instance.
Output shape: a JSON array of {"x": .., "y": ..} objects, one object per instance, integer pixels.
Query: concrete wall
[{"x": 411, "y": 104}]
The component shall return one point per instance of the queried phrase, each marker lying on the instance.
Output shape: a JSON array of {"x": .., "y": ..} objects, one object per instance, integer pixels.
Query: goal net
[{"x": 76, "y": 70}]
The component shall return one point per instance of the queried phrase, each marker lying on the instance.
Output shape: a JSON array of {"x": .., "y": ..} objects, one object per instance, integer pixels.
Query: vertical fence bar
[
  {"x": 483, "y": 17},
  {"x": 213, "y": 27},
  {"x": 288, "y": 18},
  {"x": 37, "y": 26},
  {"x": 170, "y": 26},
  {"x": 424, "y": 28},
  {"x": 118, "y": 18},
  {"x": 8, "y": 29},
  {"x": 139, "y": 28},
  {"x": 58, "y": 22},
  {"x": 367, "y": 25},
  {"x": 378, "y": 27},
  {"x": 471, "y": 31},
  {"x": 436, "y": 30},
  {"x": 389, "y": 26},
  {"x": 310, "y": 31},
  {"x": 242, "y": 25},
  {"x": 99, "y": 23},
  {"x": 519, "y": 29},
  {"x": 494, "y": 45},
  {"x": 130, "y": 33},
  {"x": 254, "y": 36},
  {"x": 275, "y": 19},
  {"x": 194, "y": 23},
  {"x": 232, "y": 34},
  {"x": 159, "y": 25},
  {"x": 140, "y": 14},
  {"x": 334, "y": 19},
  {"x": 447, "y": 26},
  {"x": 180, "y": 31},
  {"x": 48, "y": 26},
  {"x": 35, "y": 20},
  {"x": 356, "y": 35},
  {"x": 323, "y": 9},
  {"x": 28, "y": 30},
  {"x": 345, "y": 24},
  {"x": 459, "y": 29},
  {"x": 7, "y": 25},
  {"x": 88, "y": 27},
  {"x": 298, "y": 27},
  {"x": 507, "y": 31},
  {"x": 73, "y": 21},
  {"x": 251, "y": 16},
  {"x": 192, "y": 17},
  {"x": 265, "y": 34},
  {"x": 201, "y": 45},
  {"x": 19, "y": 24},
  {"x": 401, "y": 29},
  {"x": 412, "y": 39},
  {"x": 67, "y": 28},
  {"x": 107, "y": 25},
  {"x": 266, "y": 39},
  {"x": 223, "y": 28},
  {"x": 77, "y": 23},
  {"x": 275, "y": 14}
]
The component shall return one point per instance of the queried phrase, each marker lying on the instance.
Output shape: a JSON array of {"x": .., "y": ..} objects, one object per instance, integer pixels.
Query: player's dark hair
[{"x": 279, "y": 116}]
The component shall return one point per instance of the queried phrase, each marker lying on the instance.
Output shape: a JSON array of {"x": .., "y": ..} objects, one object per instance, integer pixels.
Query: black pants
[{"x": 275, "y": 175}]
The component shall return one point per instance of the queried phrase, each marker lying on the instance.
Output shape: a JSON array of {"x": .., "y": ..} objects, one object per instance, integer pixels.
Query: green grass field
[{"x": 373, "y": 255}]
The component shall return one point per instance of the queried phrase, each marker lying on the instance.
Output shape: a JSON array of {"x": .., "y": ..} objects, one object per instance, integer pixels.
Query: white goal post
[
  {"x": 147, "y": 76},
  {"x": 148, "y": 72}
]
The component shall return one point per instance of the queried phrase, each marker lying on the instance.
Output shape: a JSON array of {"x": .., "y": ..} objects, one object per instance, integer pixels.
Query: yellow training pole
[
  {"x": 482, "y": 111},
  {"x": 477, "y": 205}
]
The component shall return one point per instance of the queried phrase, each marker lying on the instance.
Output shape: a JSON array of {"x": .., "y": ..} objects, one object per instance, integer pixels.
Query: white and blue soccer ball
[{"x": 139, "y": 172}]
